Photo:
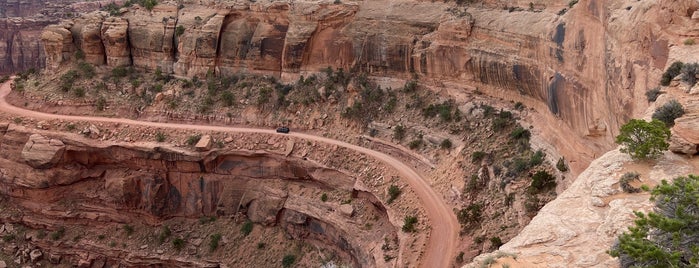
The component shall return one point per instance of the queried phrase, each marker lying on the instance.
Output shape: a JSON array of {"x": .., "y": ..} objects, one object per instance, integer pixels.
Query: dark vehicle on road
[{"x": 283, "y": 130}]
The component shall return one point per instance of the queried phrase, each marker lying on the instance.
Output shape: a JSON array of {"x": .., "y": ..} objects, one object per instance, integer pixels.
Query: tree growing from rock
[
  {"x": 668, "y": 236},
  {"x": 642, "y": 139}
]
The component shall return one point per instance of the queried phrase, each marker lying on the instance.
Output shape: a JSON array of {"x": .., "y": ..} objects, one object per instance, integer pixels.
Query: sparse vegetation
[
  {"x": 460, "y": 257},
  {"x": 653, "y": 93},
  {"x": 689, "y": 73},
  {"x": 393, "y": 193},
  {"x": 213, "y": 243},
  {"x": 689, "y": 42},
  {"x": 101, "y": 103},
  {"x": 8, "y": 237},
  {"x": 561, "y": 165},
  {"x": 625, "y": 182},
  {"x": 669, "y": 112},
  {"x": 445, "y": 144},
  {"x": 128, "y": 229},
  {"x": 409, "y": 224},
  {"x": 470, "y": 215},
  {"x": 246, "y": 229},
  {"x": 193, "y": 139},
  {"x": 399, "y": 132},
  {"x": 495, "y": 242},
  {"x": 672, "y": 71},
  {"x": 58, "y": 234},
  {"x": 666, "y": 237},
  {"x": 477, "y": 156},
  {"x": 642, "y": 139},
  {"x": 165, "y": 233},
  {"x": 179, "y": 30},
  {"x": 288, "y": 260},
  {"x": 160, "y": 137},
  {"x": 542, "y": 181},
  {"x": 178, "y": 243}
]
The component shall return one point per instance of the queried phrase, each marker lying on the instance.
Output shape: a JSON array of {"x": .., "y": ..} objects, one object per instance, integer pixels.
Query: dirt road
[{"x": 442, "y": 241}]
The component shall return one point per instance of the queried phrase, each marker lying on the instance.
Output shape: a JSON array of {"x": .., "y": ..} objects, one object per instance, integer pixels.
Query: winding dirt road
[{"x": 442, "y": 241}]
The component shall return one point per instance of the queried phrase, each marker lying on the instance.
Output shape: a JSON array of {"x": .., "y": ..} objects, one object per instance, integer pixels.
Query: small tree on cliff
[
  {"x": 642, "y": 139},
  {"x": 669, "y": 236}
]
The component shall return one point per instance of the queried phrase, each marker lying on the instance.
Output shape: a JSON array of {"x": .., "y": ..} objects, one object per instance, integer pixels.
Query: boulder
[
  {"x": 58, "y": 45},
  {"x": 347, "y": 210},
  {"x": 35, "y": 255},
  {"x": 204, "y": 143},
  {"x": 42, "y": 152},
  {"x": 3, "y": 264},
  {"x": 116, "y": 41},
  {"x": 54, "y": 258}
]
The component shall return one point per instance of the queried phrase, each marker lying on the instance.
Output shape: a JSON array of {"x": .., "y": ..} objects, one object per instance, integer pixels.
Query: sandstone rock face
[
  {"x": 116, "y": 41},
  {"x": 552, "y": 63},
  {"x": 58, "y": 45},
  {"x": 42, "y": 152},
  {"x": 87, "y": 35},
  {"x": 119, "y": 183},
  {"x": 582, "y": 223}
]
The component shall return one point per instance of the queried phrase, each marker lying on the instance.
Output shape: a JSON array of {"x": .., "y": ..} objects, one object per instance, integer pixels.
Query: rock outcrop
[
  {"x": 42, "y": 152},
  {"x": 553, "y": 63}
]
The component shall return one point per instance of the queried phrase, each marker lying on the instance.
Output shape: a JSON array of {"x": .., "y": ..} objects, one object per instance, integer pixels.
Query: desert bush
[
  {"x": 160, "y": 137},
  {"x": 288, "y": 260},
  {"x": 669, "y": 112},
  {"x": 87, "y": 70},
  {"x": 625, "y": 182},
  {"x": 399, "y": 132},
  {"x": 541, "y": 181},
  {"x": 495, "y": 242},
  {"x": 409, "y": 224},
  {"x": 213, "y": 243},
  {"x": 672, "y": 71},
  {"x": 653, "y": 93},
  {"x": 58, "y": 234},
  {"x": 246, "y": 229},
  {"x": 445, "y": 144},
  {"x": 460, "y": 257},
  {"x": 561, "y": 165},
  {"x": 178, "y": 243},
  {"x": 689, "y": 42},
  {"x": 393, "y": 192},
  {"x": 642, "y": 139},
  {"x": 179, "y": 30},
  {"x": 477, "y": 156},
  {"x": 689, "y": 73},
  {"x": 520, "y": 133},
  {"x": 668, "y": 236},
  {"x": 79, "y": 55},
  {"x": 68, "y": 79},
  {"x": 79, "y": 92},
  {"x": 164, "y": 234},
  {"x": 128, "y": 229},
  {"x": 470, "y": 215},
  {"x": 101, "y": 103},
  {"x": 324, "y": 197},
  {"x": 193, "y": 139},
  {"x": 537, "y": 158},
  {"x": 416, "y": 143}
]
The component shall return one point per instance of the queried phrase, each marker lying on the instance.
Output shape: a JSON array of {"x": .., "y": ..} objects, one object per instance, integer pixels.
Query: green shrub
[
  {"x": 445, "y": 144},
  {"x": 164, "y": 234},
  {"x": 261, "y": 245},
  {"x": 669, "y": 112},
  {"x": 409, "y": 224},
  {"x": 518, "y": 105},
  {"x": 537, "y": 158},
  {"x": 666, "y": 237},
  {"x": 414, "y": 144},
  {"x": 192, "y": 140},
  {"x": 79, "y": 92},
  {"x": 689, "y": 42},
  {"x": 672, "y": 71},
  {"x": 642, "y": 139},
  {"x": 520, "y": 133},
  {"x": 4, "y": 79},
  {"x": 477, "y": 156},
  {"x": 68, "y": 79},
  {"x": 160, "y": 137},
  {"x": 178, "y": 243},
  {"x": 79, "y": 55},
  {"x": 470, "y": 215},
  {"x": 205, "y": 220},
  {"x": 87, "y": 70},
  {"x": 399, "y": 132},
  {"x": 572, "y": 3},
  {"x": 288, "y": 260},
  {"x": 213, "y": 243},
  {"x": 179, "y": 30},
  {"x": 689, "y": 73},
  {"x": 653, "y": 93},
  {"x": 625, "y": 182},
  {"x": 246, "y": 229},
  {"x": 149, "y": 4},
  {"x": 460, "y": 257},
  {"x": 228, "y": 98},
  {"x": 393, "y": 193},
  {"x": 58, "y": 234},
  {"x": 8, "y": 237},
  {"x": 128, "y": 229},
  {"x": 561, "y": 165},
  {"x": 541, "y": 181},
  {"x": 324, "y": 197},
  {"x": 101, "y": 103},
  {"x": 495, "y": 242}
]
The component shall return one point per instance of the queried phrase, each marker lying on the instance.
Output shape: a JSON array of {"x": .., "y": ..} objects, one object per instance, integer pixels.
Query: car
[{"x": 283, "y": 130}]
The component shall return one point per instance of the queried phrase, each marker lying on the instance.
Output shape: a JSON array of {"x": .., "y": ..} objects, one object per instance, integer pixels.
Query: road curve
[{"x": 442, "y": 241}]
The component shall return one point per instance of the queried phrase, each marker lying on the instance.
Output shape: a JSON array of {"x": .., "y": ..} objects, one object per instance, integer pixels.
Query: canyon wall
[
  {"x": 66, "y": 180},
  {"x": 586, "y": 70}
]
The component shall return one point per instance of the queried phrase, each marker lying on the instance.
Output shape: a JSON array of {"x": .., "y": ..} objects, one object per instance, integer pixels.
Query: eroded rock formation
[{"x": 126, "y": 183}]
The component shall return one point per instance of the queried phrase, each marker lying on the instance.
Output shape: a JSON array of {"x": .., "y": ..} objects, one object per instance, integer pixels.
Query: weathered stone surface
[
  {"x": 204, "y": 143},
  {"x": 35, "y": 255},
  {"x": 87, "y": 34},
  {"x": 116, "y": 41},
  {"x": 347, "y": 210},
  {"x": 42, "y": 152}
]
